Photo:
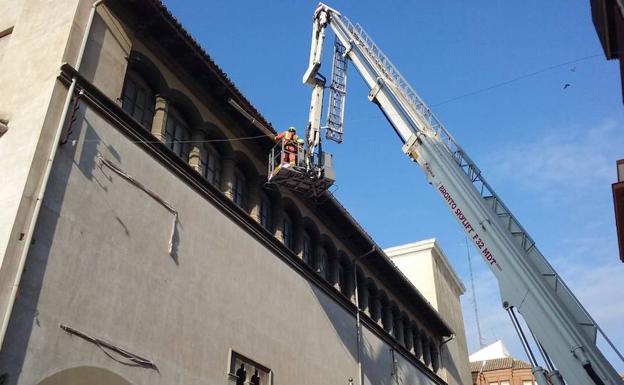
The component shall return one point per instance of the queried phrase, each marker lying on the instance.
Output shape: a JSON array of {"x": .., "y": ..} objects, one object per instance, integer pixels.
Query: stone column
[
  {"x": 197, "y": 147},
  {"x": 253, "y": 199},
  {"x": 227, "y": 176},
  {"x": 160, "y": 117}
]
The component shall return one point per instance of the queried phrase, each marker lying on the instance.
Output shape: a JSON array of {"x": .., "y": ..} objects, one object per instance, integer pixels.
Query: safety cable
[{"x": 190, "y": 141}]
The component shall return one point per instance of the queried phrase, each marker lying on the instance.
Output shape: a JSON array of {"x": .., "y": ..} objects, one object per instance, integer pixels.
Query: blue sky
[{"x": 549, "y": 152}]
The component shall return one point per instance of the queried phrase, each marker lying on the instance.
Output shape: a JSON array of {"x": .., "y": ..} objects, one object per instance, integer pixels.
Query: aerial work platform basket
[{"x": 308, "y": 176}]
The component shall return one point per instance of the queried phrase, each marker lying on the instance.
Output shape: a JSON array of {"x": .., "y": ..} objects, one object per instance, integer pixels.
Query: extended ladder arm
[{"x": 527, "y": 282}]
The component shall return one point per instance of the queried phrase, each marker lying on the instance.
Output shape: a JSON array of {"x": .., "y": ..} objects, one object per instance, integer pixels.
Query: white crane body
[{"x": 526, "y": 280}]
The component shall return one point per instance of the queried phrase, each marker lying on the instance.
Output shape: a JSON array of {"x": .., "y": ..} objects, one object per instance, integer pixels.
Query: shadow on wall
[
  {"x": 25, "y": 315},
  {"x": 84, "y": 375},
  {"x": 381, "y": 365}
]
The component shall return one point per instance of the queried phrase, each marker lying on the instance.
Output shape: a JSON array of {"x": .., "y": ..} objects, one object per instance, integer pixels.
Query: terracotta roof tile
[{"x": 498, "y": 363}]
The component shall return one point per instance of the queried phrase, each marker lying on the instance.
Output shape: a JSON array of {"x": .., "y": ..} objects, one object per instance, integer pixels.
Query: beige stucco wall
[
  {"x": 31, "y": 102},
  {"x": 426, "y": 266}
]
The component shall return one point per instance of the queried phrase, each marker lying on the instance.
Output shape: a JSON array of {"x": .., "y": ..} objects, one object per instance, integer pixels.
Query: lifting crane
[{"x": 565, "y": 332}]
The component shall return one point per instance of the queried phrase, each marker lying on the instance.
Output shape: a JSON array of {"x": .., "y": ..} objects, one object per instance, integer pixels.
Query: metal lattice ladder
[{"x": 337, "y": 94}]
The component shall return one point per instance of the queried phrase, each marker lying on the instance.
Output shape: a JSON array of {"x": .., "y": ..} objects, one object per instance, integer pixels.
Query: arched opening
[
  {"x": 435, "y": 355},
  {"x": 408, "y": 340},
  {"x": 345, "y": 275},
  {"x": 309, "y": 243},
  {"x": 386, "y": 312},
  {"x": 327, "y": 259},
  {"x": 288, "y": 236},
  {"x": 373, "y": 301},
  {"x": 239, "y": 188},
  {"x": 142, "y": 83},
  {"x": 362, "y": 290},
  {"x": 138, "y": 99},
  {"x": 426, "y": 351},
  {"x": 291, "y": 225},
  {"x": 397, "y": 324},
  {"x": 417, "y": 341},
  {"x": 265, "y": 211},
  {"x": 84, "y": 375}
]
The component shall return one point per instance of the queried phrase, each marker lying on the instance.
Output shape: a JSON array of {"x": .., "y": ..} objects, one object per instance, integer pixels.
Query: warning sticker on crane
[{"x": 469, "y": 228}]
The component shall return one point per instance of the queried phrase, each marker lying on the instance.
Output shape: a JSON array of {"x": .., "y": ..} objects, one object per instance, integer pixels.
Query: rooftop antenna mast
[{"x": 474, "y": 295}]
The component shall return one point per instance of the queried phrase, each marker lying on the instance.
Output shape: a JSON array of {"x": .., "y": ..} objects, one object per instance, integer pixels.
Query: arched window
[
  {"x": 306, "y": 249},
  {"x": 211, "y": 165},
  {"x": 287, "y": 231},
  {"x": 178, "y": 134},
  {"x": 265, "y": 211},
  {"x": 138, "y": 99},
  {"x": 239, "y": 188},
  {"x": 322, "y": 263}
]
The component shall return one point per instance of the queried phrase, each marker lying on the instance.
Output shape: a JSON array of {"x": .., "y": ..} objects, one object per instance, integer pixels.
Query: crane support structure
[{"x": 527, "y": 282}]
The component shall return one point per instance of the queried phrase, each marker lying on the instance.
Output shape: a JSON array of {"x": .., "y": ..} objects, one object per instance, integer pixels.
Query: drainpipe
[
  {"x": 46, "y": 175},
  {"x": 358, "y": 322}
]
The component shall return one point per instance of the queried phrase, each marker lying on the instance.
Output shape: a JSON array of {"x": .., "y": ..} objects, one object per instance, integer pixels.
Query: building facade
[
  {"x": 493, "y": 365},
  {"x": 618, "y": 205},
  {"x": 425, "y": 264},
  {"x": 139, "y": 242},
  {"x": 608, "y": 19}
]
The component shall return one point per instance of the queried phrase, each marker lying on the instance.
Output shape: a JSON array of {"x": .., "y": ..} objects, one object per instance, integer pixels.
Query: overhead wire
[
  {"x": 496, "y": 85},
  {"x": 189, "y": 141}
]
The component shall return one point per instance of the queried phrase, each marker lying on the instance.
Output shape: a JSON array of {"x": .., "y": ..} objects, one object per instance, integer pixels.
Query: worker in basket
[{"x": 290, "y": 144}]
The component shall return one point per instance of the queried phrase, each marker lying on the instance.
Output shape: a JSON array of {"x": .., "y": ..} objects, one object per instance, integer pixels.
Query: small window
[
  {"x": 504, "y": 382},
  {"x": 178, "y": 135},
  {"x": 211, "y": 165},
  {"x": 265, "y": 211},
  {"x": 239, "y": 187},
  {"x": 287, "y": 231},
  {"x": 243, "y": 371},
  {"x": 138, "y": 99},
  {"x": 307, "y": 249}
]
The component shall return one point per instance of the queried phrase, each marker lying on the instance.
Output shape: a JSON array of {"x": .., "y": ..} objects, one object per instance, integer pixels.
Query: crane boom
[{"x": 527, "y": 282}]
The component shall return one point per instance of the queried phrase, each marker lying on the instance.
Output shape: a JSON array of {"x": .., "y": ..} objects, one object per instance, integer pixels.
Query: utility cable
[
  {"x": 105, "y": 162},
  {"x": 133, "y": 359}
]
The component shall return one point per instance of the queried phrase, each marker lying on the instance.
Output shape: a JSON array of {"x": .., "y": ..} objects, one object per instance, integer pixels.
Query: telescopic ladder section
[
  {"x": 337, "y": 94},
  {"x": 526, "y": 280}
]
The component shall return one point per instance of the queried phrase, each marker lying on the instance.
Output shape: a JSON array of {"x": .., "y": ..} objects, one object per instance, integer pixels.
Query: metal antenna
[{"x": 474, "y": 295}]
